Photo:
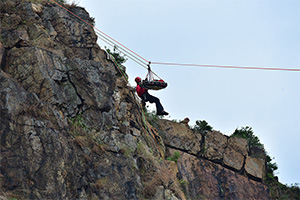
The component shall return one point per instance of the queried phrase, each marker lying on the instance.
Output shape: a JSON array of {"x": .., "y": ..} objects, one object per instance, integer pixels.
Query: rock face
[
  {"x": 216, "y": 168},
  {"x": 202, "y": 179},
  {"x": 234, "y": 155},
  {"x": 179, "y": 136},
  {"x": 215, "y": 144},
  {"x": 71, "y": 128},
  {"x": 255, "y": 167}
]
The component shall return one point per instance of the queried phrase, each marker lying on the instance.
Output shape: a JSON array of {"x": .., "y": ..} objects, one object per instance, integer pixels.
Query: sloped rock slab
[
  {"x": 180, "y": 136},
  {"x": 255, "y": 167},
  {"x": 207, "y": 180},
  {"x": 235, "y": 153},
  {"x": 233, "y": 159},
  {"x": 215, "y": 144}
]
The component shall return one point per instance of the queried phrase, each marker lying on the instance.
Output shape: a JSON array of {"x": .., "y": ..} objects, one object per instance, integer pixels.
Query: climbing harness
[{"x": 151, "y": 83}]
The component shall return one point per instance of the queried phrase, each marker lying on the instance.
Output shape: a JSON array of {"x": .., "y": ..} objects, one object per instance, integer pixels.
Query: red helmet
[
  {"x": 186, "y": 119},
  {"x": 138, "y": 79}
]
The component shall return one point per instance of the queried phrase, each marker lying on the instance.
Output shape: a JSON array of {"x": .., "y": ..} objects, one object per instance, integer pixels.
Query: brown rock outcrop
[
  {"x": 202, "y": 179},
  {"x": 229, "y": 152},
  {"x": 235, "y": 153},
  {"x": 233, "y": 159},
  {"x": 255, "y": 167},
  {"x": 215, "y": 144},
  {"x": 179, "y": 136}
]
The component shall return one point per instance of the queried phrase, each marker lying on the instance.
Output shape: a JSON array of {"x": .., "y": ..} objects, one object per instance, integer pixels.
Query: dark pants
[{"x": 152, "y": 99}]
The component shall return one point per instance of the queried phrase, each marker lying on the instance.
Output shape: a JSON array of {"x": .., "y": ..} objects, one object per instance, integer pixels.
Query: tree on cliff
[
  {"x": 254, "y": 142},
  {"x": 202, "y": 126},
  {"x": 278, "y": 190},
  {"x": 116, "y": 54},
  {"x": 247, "y": 133}
]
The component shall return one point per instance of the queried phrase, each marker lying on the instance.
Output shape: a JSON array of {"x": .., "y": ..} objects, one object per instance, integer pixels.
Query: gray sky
[{"x": 260, "y": 33}]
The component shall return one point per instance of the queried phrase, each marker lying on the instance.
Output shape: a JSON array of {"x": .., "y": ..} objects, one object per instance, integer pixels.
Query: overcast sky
[{"x": 260, "y": 33}]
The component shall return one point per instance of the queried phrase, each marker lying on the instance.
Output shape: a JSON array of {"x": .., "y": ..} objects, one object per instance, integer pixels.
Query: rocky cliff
[{"x": 71, "y": 127}]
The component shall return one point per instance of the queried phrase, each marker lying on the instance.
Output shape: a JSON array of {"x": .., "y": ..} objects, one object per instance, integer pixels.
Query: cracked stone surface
[{"x": 207, "y": 180}]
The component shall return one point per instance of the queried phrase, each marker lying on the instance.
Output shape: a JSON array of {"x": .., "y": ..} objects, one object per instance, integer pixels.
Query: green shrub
[
  {"x": 183, "y": 182},
  {"x": 202, "y": 126},
  {"x": 284, "y": 192},
  {"x": 116, "y": 54},
  {"x": 247, "y": 133},
  {"x": 175, "y": 157},
  {"x": 78, "y": 126},
  {"x": 151, "y": 117},
  {"x": 270, "y": 168},
  {"x": 61, "y": 1},
  {"x": 278, "y": 190}
]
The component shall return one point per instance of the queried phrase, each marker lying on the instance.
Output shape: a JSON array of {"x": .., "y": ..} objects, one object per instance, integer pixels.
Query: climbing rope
[
  {"x": 119, "y": 68},
  {"x": 223, "y": 66},
  {"x": 99, "y": 31},
  {"x": 144, "y": 62},
  {"x": 146, "y": 125}
]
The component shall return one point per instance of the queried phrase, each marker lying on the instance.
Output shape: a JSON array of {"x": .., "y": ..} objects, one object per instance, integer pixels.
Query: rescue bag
[{"x": 153, "y": 84}]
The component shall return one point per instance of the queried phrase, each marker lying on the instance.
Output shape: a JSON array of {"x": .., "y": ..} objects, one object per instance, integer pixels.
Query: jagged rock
[
  {"x": 257, "y": 152},
  {"x": 38, "y": 8},
  {"x": 13, "y": 97},
  {"x": 215, "y": 144},
  {"x": 45, "y": 152},
  {"x": 177, "y": 135},
  {"x": 233, "y": 159},
  {"x": 2, "y": 52},
  {"x": 239, "y": 145},
  {"x": 162, "y": 193},
  {"x": 255, "y": 167},
  {"x": 163, "y": 181},
  {"x": 15, "y": 38},
  {"x": 235, "y": 152},
  {"x": 206, "y": 180},
  {"x": 10, "y": 21}
]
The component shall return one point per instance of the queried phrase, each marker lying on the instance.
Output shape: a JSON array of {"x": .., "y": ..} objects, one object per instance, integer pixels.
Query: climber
[{"x": 145, "y": 96}]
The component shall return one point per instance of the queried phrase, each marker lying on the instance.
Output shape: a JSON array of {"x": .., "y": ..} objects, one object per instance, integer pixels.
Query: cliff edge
[{"x": 71, "y": 128}]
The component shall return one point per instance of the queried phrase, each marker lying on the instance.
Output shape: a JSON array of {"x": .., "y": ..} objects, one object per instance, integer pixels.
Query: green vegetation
[
  {"x": 278, "y": 190},
  {"x": 202, "y": 126},
  {"x": 128, "y": 151},
  {"x": 183, "y": 182},
  {"x": 61, "y": 1},
  {"x": 116, "y": 54},
  {"x": 175, "y": 157},
  {"x": 284, "y": 192},
  {"x": 151, "y": 117},
  {"x": 78, "y": 126},
  {"x": 270, "y": 168},
  {"x": 247, "y": 133},
  {"x": 66, "y": 2},
  {"x": 253, "y": 142}
]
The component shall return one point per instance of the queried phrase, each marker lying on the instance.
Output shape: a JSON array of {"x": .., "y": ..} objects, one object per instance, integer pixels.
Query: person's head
[
  {"x": 186, "y": 119},
  {"x": 138, "y": 80}
]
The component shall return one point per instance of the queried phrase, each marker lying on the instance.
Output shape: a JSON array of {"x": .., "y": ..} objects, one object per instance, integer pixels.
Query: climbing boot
[{"x": 162, "y": 112}]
